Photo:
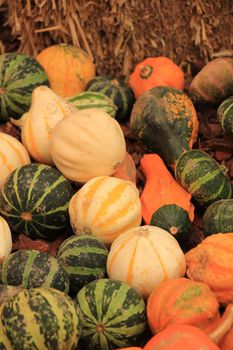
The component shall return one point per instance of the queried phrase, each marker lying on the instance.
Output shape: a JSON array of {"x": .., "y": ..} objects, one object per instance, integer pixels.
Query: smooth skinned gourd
[{"x": 5, "y": 238}]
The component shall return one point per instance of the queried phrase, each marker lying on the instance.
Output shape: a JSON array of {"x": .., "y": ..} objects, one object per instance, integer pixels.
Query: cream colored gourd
[
  {"x": 46, "y": 110},
  {"x": 145, "y": 256},
  {"x": 89, "y": 143},
  {"x": 5, "y": 238},
  {"x": 105, "y": 206},
  {"x": 12, "y": 155}
]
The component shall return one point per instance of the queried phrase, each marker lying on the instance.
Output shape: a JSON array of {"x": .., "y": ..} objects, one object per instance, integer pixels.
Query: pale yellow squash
[
  {"x": 12, "y": 155},
  {"x": 105, "y": 207},
  {"x": 145, "y": 256},
  {"x": 89, "y": 143},
  {"x": 5, "y": 238},
  {"x": 46, "y": 110}
]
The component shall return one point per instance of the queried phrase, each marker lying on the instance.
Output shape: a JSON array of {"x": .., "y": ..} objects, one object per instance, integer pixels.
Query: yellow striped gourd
[{"x": 105, "y": 206}]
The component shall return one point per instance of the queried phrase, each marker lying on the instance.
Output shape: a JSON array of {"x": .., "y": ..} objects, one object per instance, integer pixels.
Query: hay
[{"x": 118, "y": 34}]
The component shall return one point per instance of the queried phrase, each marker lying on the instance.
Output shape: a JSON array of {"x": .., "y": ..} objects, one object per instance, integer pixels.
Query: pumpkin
[
  {"x": 181, "y": 300},
  {"x": 46, "y": 110},
  {"x": 118, "y": 91},
  {"x": 127, "y": 169},
  {"x": 105, "y": 206},
  {"x": 214, "y": 82},
  {"x": 5, "y": 238},
  {"x": 165, "y": 120},
  {"x": 68, "y": 68},
  {"x": 225, "y": 114},
  {"x": 210, "y": 262},
  {"x": 12, "y": 155},
  {"x": 144, "y": 256},
  {"x": 203, "y": 177},
  {"x": 165, "y": 203},
  {"x": 218, "y": 217},
  {"x": 155, "y": 71},
  {"x": 89, "y": 143}
]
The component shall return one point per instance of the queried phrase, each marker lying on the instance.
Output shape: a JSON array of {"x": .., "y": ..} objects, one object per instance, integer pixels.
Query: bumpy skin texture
[
  {"x": 165, "y": 120},
  {"x": 18, "y": 70}
]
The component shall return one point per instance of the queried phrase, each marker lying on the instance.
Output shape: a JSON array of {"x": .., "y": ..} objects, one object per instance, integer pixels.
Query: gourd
[
  {"x": 165, "y": 203},
  {"x": 105, "y": 206},
  {"x": 20, "y": 75},
  {"x": 144, "y": 256},
  {"x": 46, "y": 110},
  {"x": 155, "y": 71},
  {"x": 7, "y": 291},
  {"x": 39, "y": 318},
  {"x": 202, "y": 176},
  {"x": 68, "y": 67},
  {"x": 166, "y": 122},
  {"x": 5, "y": 238},
  {"x": 34, "y": 200},
  {"x": 214, "y": 82},
  {"x": 84, "y": 259},
  {"x": 32, "y": 269},
  {"x": 210, "y": 262},
  {"x": 118, "y": 91},
  {"x": 225, "y": 114},
  {"x": 12, "y": 155},
  {"x": 127, "y": 170},
  {"x": 181, "y": 300},
  {"x": 112, "y": 314},
  {"x": 218, "y": 217},
  {"x": 89, "y": 143}
]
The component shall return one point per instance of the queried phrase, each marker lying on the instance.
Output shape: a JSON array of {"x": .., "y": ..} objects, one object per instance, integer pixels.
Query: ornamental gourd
[
  {"x": 225, "y": 114},
  {"x": 165, "y": 203},
  {"x": 89, "y": 143},
  {"x": 105, "y": 206},
  {"x": 5, "y": 238},
  {"x": 181, "y": 300},
  {"x": 68, "y": 67},
  {"x": 12, "y": 155},
  {"x": 127, "y": 170},
  {"x": 210, "y": 262},
  {"x": 144, "y": 256},
  {"x": 155, "y": 71},
  {"x": 47, "y": 109}
]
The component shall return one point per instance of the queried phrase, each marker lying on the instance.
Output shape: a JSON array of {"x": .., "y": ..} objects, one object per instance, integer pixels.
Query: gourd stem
[
  {"x": 225, "y": 324},
  {"x": 146, "y": 71}
]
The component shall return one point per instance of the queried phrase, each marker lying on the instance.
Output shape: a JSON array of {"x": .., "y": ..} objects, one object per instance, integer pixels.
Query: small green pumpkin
[
  {"x": 218, "y": 217},
  {"x": 225, "y": 114}
]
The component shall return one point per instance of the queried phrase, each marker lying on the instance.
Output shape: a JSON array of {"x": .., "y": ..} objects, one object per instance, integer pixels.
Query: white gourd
[
  {"x": 46, "y": 110},
  {"x": 5, "y": 238}
]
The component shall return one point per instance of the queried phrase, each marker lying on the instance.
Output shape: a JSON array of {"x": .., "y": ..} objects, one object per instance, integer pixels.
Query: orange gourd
[
  {"x": 68, "y": 68},
  {"x": 210, "y": 262},
  {"x": 165, "y": 203},
  {"x": 127, "y": 169},
  {"x": 155, "y": 71},
  {"x": 182, "y": 301}
]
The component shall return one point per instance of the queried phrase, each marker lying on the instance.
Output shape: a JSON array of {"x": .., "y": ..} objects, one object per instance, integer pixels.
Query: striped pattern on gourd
[
  {"x": 225, "y": 114},
  {"x": 12, "y": 155},
  {"x": 112, "y": 315},
  {"x": 91, "y": 99},
  {"x": 7, "y": 292},
  {"x": 31, "y": 269},
  {"x": 145, "y": 256},
  {"x": 202, "y": 176},
  {"x": 218, "y": 217},
  {"x": 5, "y": 238},
  {"x": 105, "y": 207},
  {"x": 35, "y": 200},
  {"x": 19, "y": 75},
  {"x": 39, "y": 318},
  {"x": 84, "y": 259}
]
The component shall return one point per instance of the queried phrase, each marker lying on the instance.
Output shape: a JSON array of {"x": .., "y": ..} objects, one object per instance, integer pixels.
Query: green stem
[{"x": 146, "y": 71}]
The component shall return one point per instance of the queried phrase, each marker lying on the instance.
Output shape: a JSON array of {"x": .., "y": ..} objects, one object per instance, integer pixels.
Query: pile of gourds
[{"x": 120, "y": 279}]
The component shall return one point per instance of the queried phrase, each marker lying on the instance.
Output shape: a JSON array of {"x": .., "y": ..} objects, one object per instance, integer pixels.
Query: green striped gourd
[
  {"x": 225, "y": 114},
  {"x": 112, "y": 315},
  {"x": 84, "y": 259},
  {"x": 39, "y": 319},
  {"x": 5, "y": 238},
  {"x": 31, "y": 269},
  {"x": 92, "y": 99},
  {"x": 118, "y": 91},
  {"x": 7, "y": 291},
  {"x": 34, "y": 200},
  {"x": 218, "y": 217},
  {"x": 19, "y": 75},
  {"x": 202, "y": 176}
]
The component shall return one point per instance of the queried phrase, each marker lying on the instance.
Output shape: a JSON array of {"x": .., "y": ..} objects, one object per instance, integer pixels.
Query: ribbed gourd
[
  {"x": 225, "y": 114},
  {"x": 5, "y": 238}
]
